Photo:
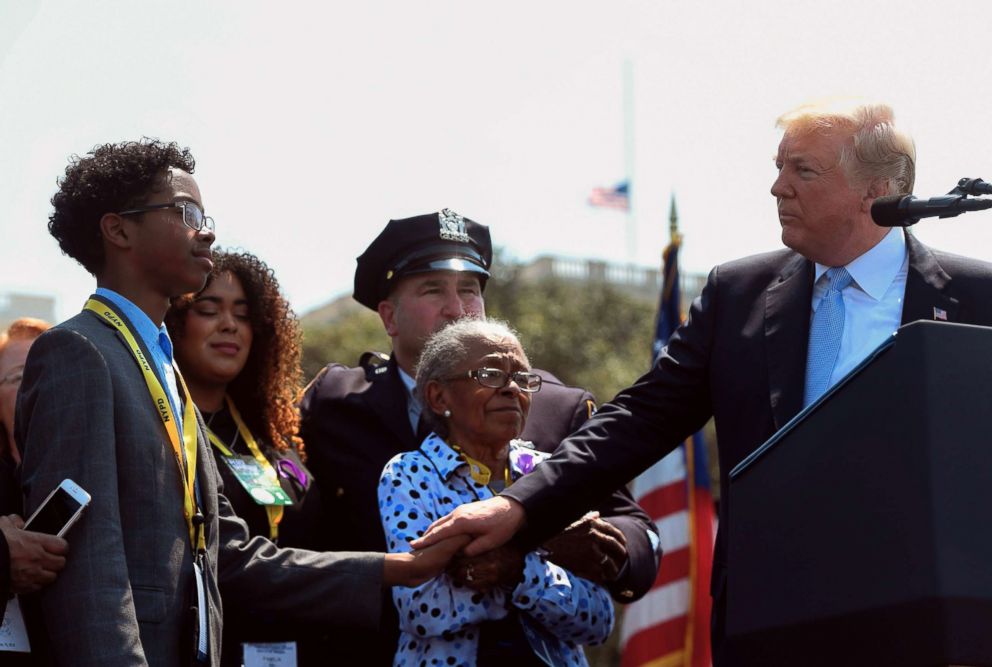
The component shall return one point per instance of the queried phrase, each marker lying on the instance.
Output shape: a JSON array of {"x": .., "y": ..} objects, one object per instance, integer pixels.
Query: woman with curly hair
[{"x": 238, "y": 345}]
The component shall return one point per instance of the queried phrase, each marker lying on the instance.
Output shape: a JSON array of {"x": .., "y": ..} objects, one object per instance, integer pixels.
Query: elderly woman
[{"x": 475, "y": 384}]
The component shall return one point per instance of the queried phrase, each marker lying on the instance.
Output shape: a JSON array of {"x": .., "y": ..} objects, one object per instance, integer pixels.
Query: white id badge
[
  {"x": 201, "y": 605},
  {"x": 281, "y": 654},
  {"x": 13, "y": 633}
]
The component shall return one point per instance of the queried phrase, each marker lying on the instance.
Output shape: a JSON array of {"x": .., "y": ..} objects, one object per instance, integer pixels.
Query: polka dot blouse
[{"x": 439, "y": 619}]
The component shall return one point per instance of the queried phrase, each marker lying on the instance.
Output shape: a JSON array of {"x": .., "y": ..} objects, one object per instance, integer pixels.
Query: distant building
[
  {"x": 639, "y": 281},
  {"x": 13, "y": 306}
]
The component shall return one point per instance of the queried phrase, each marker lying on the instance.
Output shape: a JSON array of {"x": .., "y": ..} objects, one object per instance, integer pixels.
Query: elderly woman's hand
[
  {"x": 503, "y": 566},
  {"x": 591, "y": 548}
]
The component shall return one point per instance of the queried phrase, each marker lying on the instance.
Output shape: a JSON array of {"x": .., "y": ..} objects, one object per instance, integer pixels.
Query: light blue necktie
[{"x": 825, "y": 332}]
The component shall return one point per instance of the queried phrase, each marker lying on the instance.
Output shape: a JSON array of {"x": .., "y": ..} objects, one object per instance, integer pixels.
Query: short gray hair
[
  {"x": 879, "y": 149},
  {"x": 446, "y": 350}
]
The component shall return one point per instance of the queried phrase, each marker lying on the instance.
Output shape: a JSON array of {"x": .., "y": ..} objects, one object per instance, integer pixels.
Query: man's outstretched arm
[{"x": 490, "y": 523}]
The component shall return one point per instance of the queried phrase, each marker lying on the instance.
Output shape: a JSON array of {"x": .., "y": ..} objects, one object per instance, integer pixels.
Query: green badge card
[{"x": 263, "y": 489}]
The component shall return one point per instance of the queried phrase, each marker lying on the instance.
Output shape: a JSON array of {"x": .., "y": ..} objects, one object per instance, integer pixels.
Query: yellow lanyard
[
  {"x": 479, "y": 471},
  {"x": 274, "y": 512},
  {"x": 187, "y": 468}
]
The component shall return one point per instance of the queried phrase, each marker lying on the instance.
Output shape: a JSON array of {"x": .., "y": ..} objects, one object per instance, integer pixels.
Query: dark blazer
[
  {"x": 741, "y": 358},
  {"x": 299, "y": 528},
  {"x": 354, "y": 420},
  {"x": 84, "y": 412}
]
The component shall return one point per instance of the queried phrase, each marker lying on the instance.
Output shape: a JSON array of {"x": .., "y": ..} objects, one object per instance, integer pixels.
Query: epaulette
[
  {"x": 375, "y": 364},
  {"x": 316, "y": 378}
]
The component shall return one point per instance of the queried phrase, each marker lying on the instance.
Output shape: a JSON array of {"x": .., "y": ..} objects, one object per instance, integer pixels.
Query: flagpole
[
  {"x": 628, "y": 156},
  {"x": 673, "y": 223}
]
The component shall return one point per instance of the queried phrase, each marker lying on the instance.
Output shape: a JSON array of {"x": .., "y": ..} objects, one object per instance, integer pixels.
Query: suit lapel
[
  {"x": 926, "y": 286},
  {"x": 786, "y": 332},
  {"x": 387, "y": 397}
]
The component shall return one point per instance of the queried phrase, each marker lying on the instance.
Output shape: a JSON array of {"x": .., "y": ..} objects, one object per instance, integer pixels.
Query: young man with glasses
[
  {"x": 420, "y": 274},
  {"x": 102, "y": 404}
]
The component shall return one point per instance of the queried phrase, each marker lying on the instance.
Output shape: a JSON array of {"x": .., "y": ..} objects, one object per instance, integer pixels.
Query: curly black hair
[
  {"x": 110, "y": 178},
  {"x": 268, "y": 388}
]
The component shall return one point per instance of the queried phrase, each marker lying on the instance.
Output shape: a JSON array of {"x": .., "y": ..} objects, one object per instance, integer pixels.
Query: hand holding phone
[
  {"x": 35, "y": 558},
  {"x": 60, "y": 509}
]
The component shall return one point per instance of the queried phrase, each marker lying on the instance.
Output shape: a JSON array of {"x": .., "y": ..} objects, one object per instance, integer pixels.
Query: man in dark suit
[
  {"x": 753, "y": 350},
  {"x": 101, "y": 403},
  {"x": 419, "y": 274}
]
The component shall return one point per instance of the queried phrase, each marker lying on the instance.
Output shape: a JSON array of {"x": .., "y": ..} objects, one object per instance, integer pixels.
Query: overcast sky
[{"x": 313, "y": 124}]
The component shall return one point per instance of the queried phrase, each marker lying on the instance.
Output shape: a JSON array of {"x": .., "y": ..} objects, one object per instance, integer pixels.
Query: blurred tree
[
  {"x": 342, "y": 340},
  {"x": 589, "y": 334}
]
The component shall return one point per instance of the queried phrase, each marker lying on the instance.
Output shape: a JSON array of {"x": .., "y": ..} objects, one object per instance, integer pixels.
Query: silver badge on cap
[{"x": 452, "y": 226}]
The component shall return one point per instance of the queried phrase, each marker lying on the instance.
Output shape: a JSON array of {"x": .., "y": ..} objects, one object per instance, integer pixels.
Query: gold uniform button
[{"x": 339, "y": 492}]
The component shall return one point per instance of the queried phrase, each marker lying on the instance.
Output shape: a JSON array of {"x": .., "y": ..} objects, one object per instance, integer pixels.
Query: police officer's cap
[{"x": 443, "y": 241}]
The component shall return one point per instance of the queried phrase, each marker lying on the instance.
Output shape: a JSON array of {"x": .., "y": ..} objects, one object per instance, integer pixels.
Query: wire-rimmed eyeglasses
[
  {"x": 193, "y": 216},
  {"x": 494, "y": 378},
  {"x": 13, "y": 376}
]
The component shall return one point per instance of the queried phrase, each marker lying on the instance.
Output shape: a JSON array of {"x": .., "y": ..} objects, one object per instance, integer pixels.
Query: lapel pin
[{"x": 939, "y": 314}]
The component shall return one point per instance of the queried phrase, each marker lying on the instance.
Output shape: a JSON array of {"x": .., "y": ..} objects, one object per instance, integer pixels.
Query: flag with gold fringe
[{"x": 669, "y": 627}]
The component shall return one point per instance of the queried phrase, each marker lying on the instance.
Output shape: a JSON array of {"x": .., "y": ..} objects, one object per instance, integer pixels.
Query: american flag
[
  {"x": 669, "y": 627},
  {"x": 617, "y": 197}
]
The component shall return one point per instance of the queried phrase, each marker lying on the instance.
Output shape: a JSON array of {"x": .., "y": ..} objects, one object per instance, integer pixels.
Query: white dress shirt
[
  {"x": 872, "y": 302},
  {"x": 413, "y": 407}
]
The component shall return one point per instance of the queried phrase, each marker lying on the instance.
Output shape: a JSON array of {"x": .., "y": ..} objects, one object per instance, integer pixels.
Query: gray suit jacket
[{"x": 84, "y": 412}]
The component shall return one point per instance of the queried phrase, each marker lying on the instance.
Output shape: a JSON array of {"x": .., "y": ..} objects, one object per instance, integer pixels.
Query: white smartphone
[{"x": 61, "y": 509}]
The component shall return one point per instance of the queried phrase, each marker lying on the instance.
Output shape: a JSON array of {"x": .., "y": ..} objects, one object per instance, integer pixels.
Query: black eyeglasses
[
  {"x": 193, "y": 216},
  {"x": 494, "y": 378}
]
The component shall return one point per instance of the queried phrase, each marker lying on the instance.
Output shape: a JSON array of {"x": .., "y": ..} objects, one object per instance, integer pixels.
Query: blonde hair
[
  {"x": 23, "y": 328},
  {"x": 877, "y": 150}
]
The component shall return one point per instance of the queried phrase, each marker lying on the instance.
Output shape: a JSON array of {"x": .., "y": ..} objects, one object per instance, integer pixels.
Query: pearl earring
[{"x": 447, "y": 414}]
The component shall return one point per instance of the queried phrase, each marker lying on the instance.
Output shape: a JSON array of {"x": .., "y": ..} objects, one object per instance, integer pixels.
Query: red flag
[{"x": 670, "y": 626}]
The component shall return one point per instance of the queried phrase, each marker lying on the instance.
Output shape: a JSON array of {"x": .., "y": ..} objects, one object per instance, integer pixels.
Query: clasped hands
[{"x": 590, "y": 548}]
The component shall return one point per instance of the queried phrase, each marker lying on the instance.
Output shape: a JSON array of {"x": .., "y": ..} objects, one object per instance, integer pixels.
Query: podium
[{"x": 861, "y": 533}]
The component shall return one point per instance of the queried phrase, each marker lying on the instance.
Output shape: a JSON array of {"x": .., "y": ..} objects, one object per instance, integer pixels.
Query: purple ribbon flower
[
  {"x": 290, "y": 470},
  {"x": 525, "y": 462}
]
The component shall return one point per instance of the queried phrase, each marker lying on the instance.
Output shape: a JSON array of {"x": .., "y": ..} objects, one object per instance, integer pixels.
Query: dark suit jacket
[
  {"x": 84, "y": 412},
  {"x": 741, "y": 358},
  {"x": 354, "y": 421}
]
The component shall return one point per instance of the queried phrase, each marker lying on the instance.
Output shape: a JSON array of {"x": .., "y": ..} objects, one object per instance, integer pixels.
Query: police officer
[{"x": 419, "y": 274}]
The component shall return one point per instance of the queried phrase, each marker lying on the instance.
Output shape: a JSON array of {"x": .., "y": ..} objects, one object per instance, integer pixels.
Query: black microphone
[
  {"x": 972, "y": 186},
  {"x": 906, "y": 210}
]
